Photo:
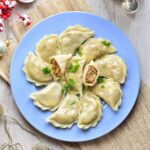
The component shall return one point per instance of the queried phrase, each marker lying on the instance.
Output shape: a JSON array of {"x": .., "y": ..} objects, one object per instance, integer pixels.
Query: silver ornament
[{"x": 26, "y": 1}]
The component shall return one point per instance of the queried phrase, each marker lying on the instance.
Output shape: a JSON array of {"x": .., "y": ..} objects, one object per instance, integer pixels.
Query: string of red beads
[{"x": 6, "y": 7}]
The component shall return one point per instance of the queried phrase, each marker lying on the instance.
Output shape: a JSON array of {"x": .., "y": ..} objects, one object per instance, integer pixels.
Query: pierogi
[
  {"x": 112, "y": 66},
  {"x": 110, "y": 92},
  {"x": 73, "y": 37},
  {"x": 67, "y": 113},
  {"x": 75, "y": 71},
  {"x": 49, "y": 97},
  {"x": 91, "y": 110},
  {"x": 96, "y": 47},
  {"x": 47, "y": 47},
  {"x": 34, "y": 69}
]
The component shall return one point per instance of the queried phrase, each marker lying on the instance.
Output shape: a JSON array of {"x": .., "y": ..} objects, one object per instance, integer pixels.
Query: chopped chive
[
  {"x": 100, "y": 79},
  {"x": 46, "y": 70},
  {"x": 106, "y": 43},
  {"x": 68, "y": 86},
  {"x": 73, "y": 68},
  {"x": 71, "y": 83}
]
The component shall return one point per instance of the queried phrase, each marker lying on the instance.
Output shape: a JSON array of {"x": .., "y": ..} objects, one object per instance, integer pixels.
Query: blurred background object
[
  {"x": 131, "y": 6},
  {"x": 26, "y": 1}
]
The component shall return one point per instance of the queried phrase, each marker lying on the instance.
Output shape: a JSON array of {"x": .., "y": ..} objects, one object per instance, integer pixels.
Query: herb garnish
[
  {"x": 68, "y": 86},
  {"x": 100, "y": 79},
  {"x": 106, "y": 43},
  {"x": 46, "y": 70},
  {"x": 73, "y": 67},
  {"x": 78, "y": 51}
]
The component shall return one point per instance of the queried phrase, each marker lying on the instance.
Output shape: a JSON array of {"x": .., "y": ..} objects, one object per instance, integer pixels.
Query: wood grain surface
[{"x": 134, "y": 132}]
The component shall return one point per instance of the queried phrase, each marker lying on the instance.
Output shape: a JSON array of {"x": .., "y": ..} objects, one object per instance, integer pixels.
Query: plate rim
[{"x": 138, "y": 66}]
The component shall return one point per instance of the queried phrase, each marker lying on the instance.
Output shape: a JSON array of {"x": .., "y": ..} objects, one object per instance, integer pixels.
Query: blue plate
[{"x": 21, "y": 89}]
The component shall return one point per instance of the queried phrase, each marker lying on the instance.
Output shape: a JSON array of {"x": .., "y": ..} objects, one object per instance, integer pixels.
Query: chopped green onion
[
  {"x": 65, "y": 89},
  {"x": 78, "y": 51},
  {"x": 100, "y": 79},
  {"x": 46, "y": 70},
  {"x": 68, "y": 86},
  {"x": 73, "y": 68},
  {"x": 106, "y": 43},
  {"x": 71, "y": 83}
]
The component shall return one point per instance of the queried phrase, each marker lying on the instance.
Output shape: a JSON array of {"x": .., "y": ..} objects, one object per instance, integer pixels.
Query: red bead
[
  {"x": 3, "y": 1},
  {"x": 8, "y": 14},
  {"x": 28, "y": 23},
  {"x": 5, "y": 11},
  {"x": 1, "y": 6},
  {"x": 4, "y": 17},
  {"x": 4, "y": 7}
]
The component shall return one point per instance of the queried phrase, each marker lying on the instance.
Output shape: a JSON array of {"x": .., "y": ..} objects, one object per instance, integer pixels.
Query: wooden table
[{"x": 136, "y": 27}]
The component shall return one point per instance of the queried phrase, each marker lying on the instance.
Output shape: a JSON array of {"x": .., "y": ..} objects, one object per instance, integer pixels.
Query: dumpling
[
  {"x": 36, "y": 70},
  {"x": 91, "y": 111},
  {"x": 48, "y": 98},
  {"x": 74, "y": 71},
  {"x": 94, "y": 48},
  {"x": 59, "y": 64},
  {"x": 110, "y": 92},
  {"x": 73, "y": 37},
  {"x": 67, "y": 114},
  {"x": 47, "y": 47},
  {"x": 112, "y": 66},
  {"x": 90, "y": 74}
]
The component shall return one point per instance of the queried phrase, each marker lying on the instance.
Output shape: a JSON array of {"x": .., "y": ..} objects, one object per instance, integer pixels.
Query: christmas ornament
[
  {"x": 25, "y": 19},
  {"x": 26, "y": 1},
  {"x": 6, "y": 8}
]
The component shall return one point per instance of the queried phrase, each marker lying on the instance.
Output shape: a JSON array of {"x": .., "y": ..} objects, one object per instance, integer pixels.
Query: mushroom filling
[
  {"x": 91, "y": 75},
  {"x": 55, "y": 68}
]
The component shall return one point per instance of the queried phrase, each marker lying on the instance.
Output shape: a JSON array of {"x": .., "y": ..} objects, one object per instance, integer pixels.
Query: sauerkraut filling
[
  {"x": 55, "y": 68},
  {"x": 91, "y": 75}
]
